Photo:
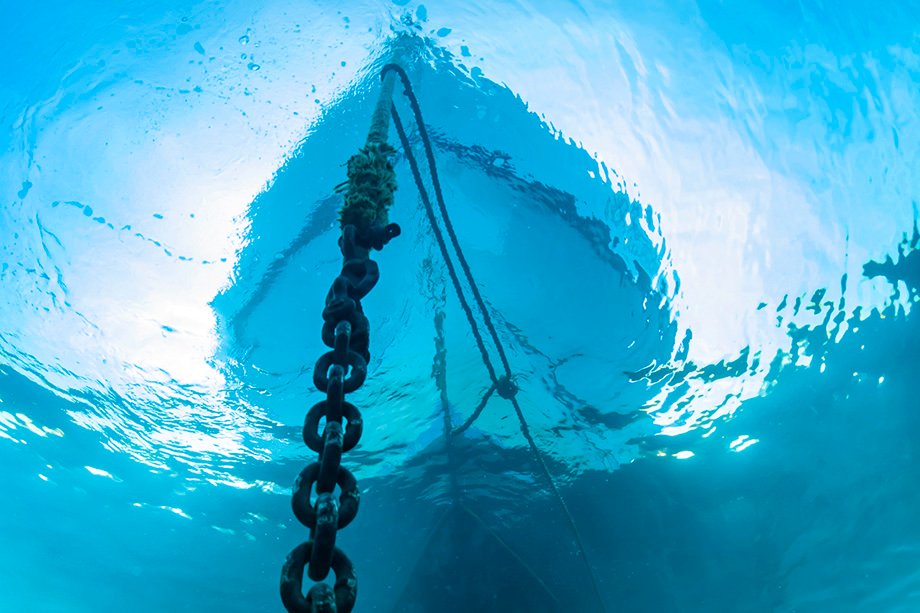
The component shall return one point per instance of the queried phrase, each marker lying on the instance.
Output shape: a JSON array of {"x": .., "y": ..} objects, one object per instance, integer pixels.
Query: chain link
[{"x": 342, "y": 370}]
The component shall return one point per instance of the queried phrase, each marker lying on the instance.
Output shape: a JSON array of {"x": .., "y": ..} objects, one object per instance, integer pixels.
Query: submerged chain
[{"x": 339, "y": 371}]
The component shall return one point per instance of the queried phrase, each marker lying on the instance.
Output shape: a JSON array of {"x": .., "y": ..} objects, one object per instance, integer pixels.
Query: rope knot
[{"x": 506, "y": 387}]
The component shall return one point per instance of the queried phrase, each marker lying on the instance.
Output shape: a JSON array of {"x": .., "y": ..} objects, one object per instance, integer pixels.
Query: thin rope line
[
  {"x": 475, "y": 415},
  {"x": 413, "y": 164},
  {"x": 525, "y": 428},
  {"x": 439, "y": 197},
  {"x": 517, "y": 558},
  {"x": 440, "y": 373},
  {"x": 418, "y": 562}
]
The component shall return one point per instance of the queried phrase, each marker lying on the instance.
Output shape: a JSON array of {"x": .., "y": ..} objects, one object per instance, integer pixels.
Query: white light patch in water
[
  {"x": 30, "y": 425},
  {"x": 232, "y": 481},
  {"x": 683, "y": 455},
  {"x": 176, "y": 511},
  {"x": 742, "y": 442},
  {"x": 100, "y": 473},
  {"x": 225, "y": 443},
  {"x": 162, "y": 507},
  {"x": 11, "y": 439},
  {"x": 8, "y": 421}
]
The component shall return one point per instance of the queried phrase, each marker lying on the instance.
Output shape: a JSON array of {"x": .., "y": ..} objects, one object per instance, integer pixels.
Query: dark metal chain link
[{"x": 342, "y": 370}]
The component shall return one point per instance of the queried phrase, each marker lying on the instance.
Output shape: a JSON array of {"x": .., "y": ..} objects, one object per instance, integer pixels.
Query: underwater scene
[{"x": 402, "y": 306}]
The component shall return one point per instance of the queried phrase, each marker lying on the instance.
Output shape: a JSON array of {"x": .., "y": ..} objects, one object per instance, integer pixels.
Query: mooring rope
[{"x": 504, "y": 385}]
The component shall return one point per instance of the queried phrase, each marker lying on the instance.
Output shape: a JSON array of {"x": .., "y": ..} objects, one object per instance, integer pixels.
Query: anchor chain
[{"x": 341, "y": 370}]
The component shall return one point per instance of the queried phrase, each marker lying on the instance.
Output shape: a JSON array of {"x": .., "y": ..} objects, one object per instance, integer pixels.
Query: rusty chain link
[{"x": 342, "y": 370}]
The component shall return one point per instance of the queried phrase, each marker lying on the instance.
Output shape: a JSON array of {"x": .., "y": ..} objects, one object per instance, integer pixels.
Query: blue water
[{"x": 694, "y": 225}]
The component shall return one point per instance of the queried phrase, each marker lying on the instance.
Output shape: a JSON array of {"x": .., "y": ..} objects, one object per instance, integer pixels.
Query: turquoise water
[{"x": 693, "y": 224}]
